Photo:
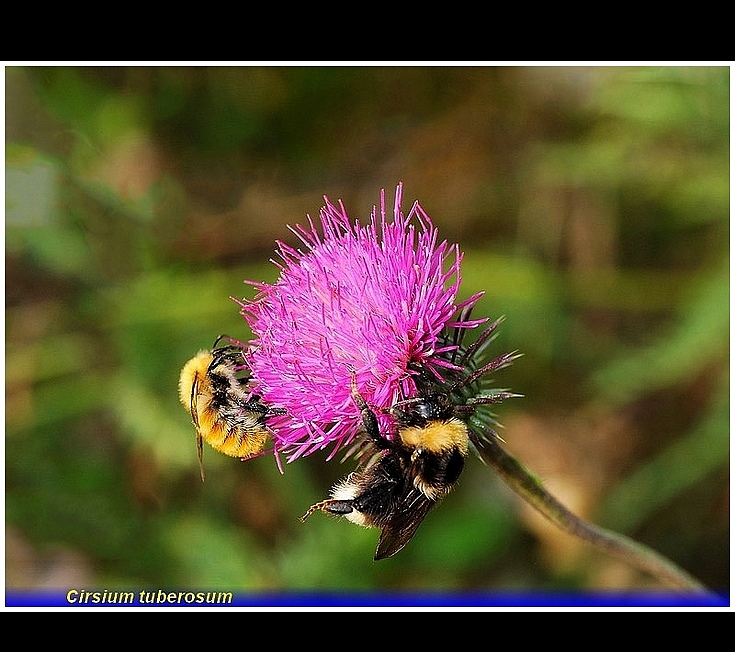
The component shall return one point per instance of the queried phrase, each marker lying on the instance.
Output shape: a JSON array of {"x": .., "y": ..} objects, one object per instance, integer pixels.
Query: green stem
[{"x": 531, "y": 490}]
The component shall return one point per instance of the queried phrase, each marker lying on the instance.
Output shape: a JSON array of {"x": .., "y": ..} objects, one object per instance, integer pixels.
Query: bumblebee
[
  {"x": 224, "y": 413},
  {"x": 416, "y": 468}
]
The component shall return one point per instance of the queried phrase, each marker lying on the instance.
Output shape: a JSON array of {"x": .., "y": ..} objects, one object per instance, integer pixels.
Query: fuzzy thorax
[{"x": 437, "y": 436}]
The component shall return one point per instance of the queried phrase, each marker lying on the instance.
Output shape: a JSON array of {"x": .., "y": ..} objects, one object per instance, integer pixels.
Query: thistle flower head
[{"x": 366, "y": 299}]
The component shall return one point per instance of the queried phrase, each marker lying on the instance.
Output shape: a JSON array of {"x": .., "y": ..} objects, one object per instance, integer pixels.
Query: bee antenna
[
  {"x": 218, "y": 339},
  {"x": 232, "y": 341}
]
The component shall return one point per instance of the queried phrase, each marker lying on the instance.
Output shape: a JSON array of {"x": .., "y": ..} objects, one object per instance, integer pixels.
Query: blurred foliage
[{"x": 593, "y": 207}]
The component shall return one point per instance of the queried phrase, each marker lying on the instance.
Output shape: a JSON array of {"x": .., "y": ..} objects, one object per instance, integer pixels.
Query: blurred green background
[{"x": 593, "y": 207}]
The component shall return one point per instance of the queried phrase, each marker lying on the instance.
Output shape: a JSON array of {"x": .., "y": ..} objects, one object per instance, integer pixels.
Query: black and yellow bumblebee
[
  {"x": 213, "y": 387},
  {"x": 424, "y": 459}
]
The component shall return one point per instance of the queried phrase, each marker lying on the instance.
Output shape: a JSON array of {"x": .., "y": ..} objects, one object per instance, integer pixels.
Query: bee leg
[
  {"x": 194, "y": 411},
  {"x": 271, "y": 411},
  {"x": 369, "y": 420},
  {"x": 255, "y": 404},
  {"x": 200, "y": 455},
  {"x": 337, "y": 507}
]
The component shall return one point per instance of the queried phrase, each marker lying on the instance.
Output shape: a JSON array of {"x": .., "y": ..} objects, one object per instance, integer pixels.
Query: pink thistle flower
[{"x": 369, "y": 299}]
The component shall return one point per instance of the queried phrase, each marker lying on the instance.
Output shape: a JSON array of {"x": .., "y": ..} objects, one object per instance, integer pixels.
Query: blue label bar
[{"x": 95, "y": 597}]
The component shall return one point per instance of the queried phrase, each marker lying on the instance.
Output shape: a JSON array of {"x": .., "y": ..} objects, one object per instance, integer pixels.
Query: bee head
[{"x": 420, "y": 410}]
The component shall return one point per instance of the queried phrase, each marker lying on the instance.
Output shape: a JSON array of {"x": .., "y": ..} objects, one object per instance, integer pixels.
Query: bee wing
[{"x": 402, "y": 525}]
